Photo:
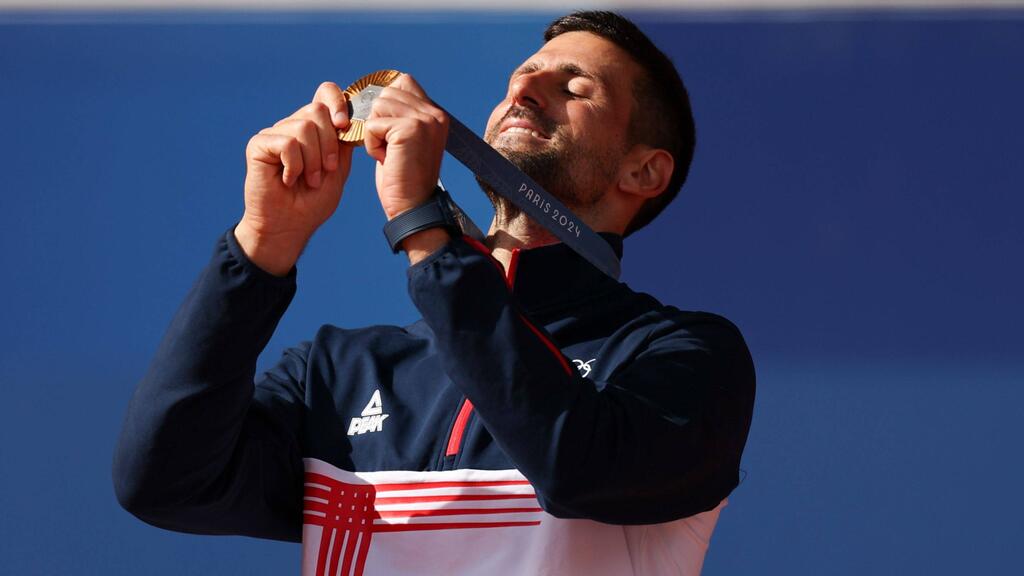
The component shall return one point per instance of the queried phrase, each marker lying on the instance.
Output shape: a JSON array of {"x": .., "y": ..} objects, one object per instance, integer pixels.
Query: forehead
[{"x": 586, "y": 54}]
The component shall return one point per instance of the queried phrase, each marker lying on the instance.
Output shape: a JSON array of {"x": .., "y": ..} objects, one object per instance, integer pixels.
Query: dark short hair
[{"x": 661, "y": 117}]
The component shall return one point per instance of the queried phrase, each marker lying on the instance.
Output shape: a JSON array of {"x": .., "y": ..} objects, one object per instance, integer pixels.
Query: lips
[{"x": 523, "y": 120}]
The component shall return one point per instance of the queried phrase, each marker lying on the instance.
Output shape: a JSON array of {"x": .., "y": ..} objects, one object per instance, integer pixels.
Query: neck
[
  {"x": 506, "y": 235},
  {"x": 513, "y": 229}
]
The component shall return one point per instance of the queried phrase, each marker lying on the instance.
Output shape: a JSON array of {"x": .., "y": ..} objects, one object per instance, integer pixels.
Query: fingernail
[
  {"x": 314, "y": 179},
  {"x": 332, "y": 161},
  {"x": 340, "y": 117}
]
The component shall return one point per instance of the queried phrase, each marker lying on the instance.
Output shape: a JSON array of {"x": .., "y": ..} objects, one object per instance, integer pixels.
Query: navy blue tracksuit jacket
[{"x": 615, "y": 408}]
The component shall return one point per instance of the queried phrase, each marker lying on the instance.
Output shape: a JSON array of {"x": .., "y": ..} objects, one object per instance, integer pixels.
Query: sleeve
[
  {"x": 660, "y": 441},
  {"x": 203, "y": 448}
]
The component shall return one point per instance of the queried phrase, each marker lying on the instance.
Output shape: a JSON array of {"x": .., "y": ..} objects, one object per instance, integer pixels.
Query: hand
[
  {"x": 406, "y": 135},
  {"x": 295, "y": 171}
]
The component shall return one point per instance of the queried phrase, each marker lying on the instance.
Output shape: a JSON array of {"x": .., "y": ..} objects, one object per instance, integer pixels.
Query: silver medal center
[{"x": 362, "y": 103}]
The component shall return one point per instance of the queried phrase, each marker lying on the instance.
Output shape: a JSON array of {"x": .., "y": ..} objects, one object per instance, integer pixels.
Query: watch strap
[{"x": 435, "y": 213}]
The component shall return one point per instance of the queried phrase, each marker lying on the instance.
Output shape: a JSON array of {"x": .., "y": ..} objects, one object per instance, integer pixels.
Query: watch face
[{"x": 361, "y": 95}]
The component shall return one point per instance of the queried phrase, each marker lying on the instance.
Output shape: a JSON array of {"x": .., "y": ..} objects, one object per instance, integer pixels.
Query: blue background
[{"x": 854, "y": 207}]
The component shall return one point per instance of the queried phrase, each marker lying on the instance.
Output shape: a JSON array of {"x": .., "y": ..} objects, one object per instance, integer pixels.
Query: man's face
[{"x": 565, "y": 118}]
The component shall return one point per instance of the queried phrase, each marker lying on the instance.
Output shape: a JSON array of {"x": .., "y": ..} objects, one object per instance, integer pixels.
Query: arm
[
  {"x": 662, "y": 440},
  {"x": 203, "y": 449}
]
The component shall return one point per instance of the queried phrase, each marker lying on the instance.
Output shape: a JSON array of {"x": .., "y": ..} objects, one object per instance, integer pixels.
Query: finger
[
  {"x": 395, "y": 93},
  {"x": 305, "y": 132},
  {"x": 336, "y": 100},
  {"x": 320, "y": 114},
  {"x": 277, "y": 150},
  {"x": 345, "y": 150},
  {"x": 409, "y": 84},
  {"x": 400, "y": 107},
  {"x": 375, "y": 132},
  {"x": 425, "y": 109}
]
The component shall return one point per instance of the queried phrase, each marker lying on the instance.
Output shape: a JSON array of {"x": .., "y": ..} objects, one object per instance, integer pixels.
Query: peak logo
[
  {"x": 371, "y": 419},
  {"x": 583, "y": 367}
]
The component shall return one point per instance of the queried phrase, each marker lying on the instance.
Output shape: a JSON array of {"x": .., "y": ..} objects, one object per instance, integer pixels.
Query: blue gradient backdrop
[{"x": 854, "y": 206}]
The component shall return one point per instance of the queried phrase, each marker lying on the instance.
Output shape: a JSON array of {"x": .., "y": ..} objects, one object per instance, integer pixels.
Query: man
[{"x": 542, "y": 418}]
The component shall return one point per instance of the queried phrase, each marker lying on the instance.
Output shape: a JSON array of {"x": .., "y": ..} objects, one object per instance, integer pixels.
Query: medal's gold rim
[{"x": 354, "y": 133}]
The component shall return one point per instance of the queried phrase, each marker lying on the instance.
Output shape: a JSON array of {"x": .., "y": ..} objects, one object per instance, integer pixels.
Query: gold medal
[{"x": 361, "y": 95}]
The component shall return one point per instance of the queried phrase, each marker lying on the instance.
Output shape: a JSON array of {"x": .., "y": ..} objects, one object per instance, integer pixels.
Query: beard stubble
[{"x": 574, "y": 172}]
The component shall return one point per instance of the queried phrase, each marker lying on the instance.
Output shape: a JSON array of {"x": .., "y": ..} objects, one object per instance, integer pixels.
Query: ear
[{"x": 646, "y": 171}]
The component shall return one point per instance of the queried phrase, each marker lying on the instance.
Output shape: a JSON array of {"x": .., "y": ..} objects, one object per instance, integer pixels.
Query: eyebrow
[{"x": 567, "y": 67}]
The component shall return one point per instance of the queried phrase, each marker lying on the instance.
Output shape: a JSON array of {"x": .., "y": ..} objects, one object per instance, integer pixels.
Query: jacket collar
[{"x": 554, "y": 276}]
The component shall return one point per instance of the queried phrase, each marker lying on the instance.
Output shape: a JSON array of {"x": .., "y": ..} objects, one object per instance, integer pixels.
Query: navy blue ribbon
[{"x": 509, "y": 181}]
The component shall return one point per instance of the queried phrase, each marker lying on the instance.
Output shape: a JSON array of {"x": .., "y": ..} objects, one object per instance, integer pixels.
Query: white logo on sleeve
[
  {"x": 583, "y": 367},
  {"x": 371, "y": 419}
]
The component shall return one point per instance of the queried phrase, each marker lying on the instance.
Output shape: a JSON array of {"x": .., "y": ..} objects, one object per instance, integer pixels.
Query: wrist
[
  {"x": 275, "y": 254},
  {"x": 422, "y": 244},
  {"x": 435, "y": 214}
]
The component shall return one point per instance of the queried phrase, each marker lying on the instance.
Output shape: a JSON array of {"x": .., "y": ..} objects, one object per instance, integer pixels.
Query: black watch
[{"x": 435, "y": 213}]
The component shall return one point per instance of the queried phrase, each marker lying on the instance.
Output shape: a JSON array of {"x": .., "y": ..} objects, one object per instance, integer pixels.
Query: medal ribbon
[{"x": 504, "y": 177}]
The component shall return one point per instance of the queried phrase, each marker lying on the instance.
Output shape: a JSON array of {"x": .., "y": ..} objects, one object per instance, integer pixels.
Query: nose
[{"x": 526, "y": 90}]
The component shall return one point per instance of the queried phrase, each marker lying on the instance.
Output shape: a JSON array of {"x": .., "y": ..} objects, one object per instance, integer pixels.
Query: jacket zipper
[
  {"x": 455, "y": 438},
  {"x": 466, "y": 409}
]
